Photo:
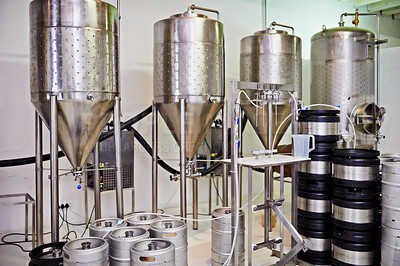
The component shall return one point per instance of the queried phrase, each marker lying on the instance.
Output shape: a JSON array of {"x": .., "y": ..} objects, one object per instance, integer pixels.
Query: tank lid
[
  {"x": 271, "y": 31},
  {"x": 342, "y": 31},
  {"x": 188, "y": 15}
]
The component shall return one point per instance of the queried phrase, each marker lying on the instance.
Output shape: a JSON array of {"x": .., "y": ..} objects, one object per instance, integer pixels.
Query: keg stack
[
  {"x": 355, "y": 207},
  {"x": 390, "y": 239},
  {"x": 314, "y": 205}
]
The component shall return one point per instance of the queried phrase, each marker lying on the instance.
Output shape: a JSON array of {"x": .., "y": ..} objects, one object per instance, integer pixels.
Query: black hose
[
  {"x": 149, "y": 150},
  {"x": 104, "y": 136}
]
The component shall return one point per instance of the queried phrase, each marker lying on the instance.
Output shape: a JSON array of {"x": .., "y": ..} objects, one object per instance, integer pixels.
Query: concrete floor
[{"x": 199, "y": 249}]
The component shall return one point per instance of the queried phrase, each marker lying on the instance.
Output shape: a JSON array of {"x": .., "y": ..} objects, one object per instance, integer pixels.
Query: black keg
[
  {"x": 356, "y": 215},
  {"x": 313, "y": 205},
  {"x": 47, "y": 255},
  {"x": 355, "y": 167},
  {"x": 347, "y": 235},
  {"x": 349, "y": 254},
  {"x": 320, "y": 242},
  {"x": 323, "y": 124}
]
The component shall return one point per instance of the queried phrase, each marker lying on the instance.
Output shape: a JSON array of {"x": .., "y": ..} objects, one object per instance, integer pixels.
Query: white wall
[{"x": 240, "y": 17}]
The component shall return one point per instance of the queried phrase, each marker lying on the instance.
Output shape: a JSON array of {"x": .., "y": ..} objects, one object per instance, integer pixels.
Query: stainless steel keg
[
  {"x": 121, "y": 240},
  {"x": 355, "y": 215},
  {"x": 355, "y": 167},
  {"x": 88, "y": 251},
  {"x": 354, "y": 254},
  {"x": 153, "y": 251},
  {"x": 143, "y": 220},
  {"x": 390, "y": 194},
  {"x": 390, "y": 246},
  {"x": 103, "y": 227},
  {"x": 323, "y": 124},
  {"x": 314, "y": 205},
  {"x": 176, "y": 232},
  {"x": 320, "y": 164},
  {"x": 221, "y": 236}
]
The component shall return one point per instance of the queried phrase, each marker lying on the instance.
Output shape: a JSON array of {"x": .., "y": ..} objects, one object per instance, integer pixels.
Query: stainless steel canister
[
  {"x": 153, "y": 251},
  {"x": 390, "y": 246},
  {"x": 88, "y": 251},
  {"x": 343, "y": 74},
  {"x": 189, "y": 64},
  {"x": 221, "y": 236},
  {"x": 176, "y": 232},
  {"x": 143, "y": 220},
  {"x": 345, "y": 253},
  {"x": 103, "y": 227},
  {"x": 121, "y": 240},
  {"x": 390, "y": 194}
]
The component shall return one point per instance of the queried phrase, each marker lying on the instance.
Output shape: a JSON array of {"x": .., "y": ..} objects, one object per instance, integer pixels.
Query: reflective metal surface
[
  {"x": 355, "y": 173},
  {"x": 319, "y": 128},
  {"x": 319, "y": 244},
  {"x": 311, "y": 205},
  {"x": 273, "y": 57},
  {"x": 221, "y": 237},
  {"x": 153, "y": 251},
  {"x": 103, "y": 227},
  {"x": 120, "y": 242},
  {"x": 88, "y": 251},
  {"x": 315, "y": 167},
  {"x": 390, "y": 246},
  {"x": 357, "y": 216},
  {"x": 74, "y": 56},
  {"x": 143, "y": 220},
  {"x": 354, "y": 257},
  {"x": 174, "y": 231},
  {"x": 188, "y": 63},
  {"x": 391, "y": 216},
  {"x": 342, "y": 72}
]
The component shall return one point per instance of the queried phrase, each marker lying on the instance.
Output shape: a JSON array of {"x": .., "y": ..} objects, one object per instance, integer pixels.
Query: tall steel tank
[
  {"x": 74, "y": 56},
  {"x": 274, "y": 57},
  {"x": 343, "y": 74},
  {"x": 188, "y": 63}
]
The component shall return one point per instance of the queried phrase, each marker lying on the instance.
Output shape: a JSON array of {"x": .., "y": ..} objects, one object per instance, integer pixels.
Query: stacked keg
[
  {"x": 102, "y": 228},
  {"x": 355, "y": 207},
  {"x": 176, "y": 232},
  {"x": 314, "y": 205},
  {"x": 153, "y": 251},
  {"x": 88, "y": 251},
  {"x": 221, "y": 237},
  {"x": 390, "y": 239},
  {"x": 120, "y": 242},
  {"x": 143, "y": 220}
]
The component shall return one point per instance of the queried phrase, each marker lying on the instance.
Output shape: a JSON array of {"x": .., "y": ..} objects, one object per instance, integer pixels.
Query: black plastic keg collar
[
  {"x": 356, "y": 236},
  {"x": 37, "y": 254},
  {"x": 309, "y": 176},
  {"x": 314, "y": 233},
  {"x": 314, "y": 195},
  {"x": 362, "y": 205},
  {"x": 372, "y": 246},
  {"x": 356, "y": 153}
]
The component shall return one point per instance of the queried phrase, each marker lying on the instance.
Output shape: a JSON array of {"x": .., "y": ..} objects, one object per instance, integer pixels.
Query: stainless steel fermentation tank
[
  {"x": 343, "y": 74},
  {"x": 273, "y": 57},
  {"x": 74, "y": 85},
  {"x": 188, "y": 88}
]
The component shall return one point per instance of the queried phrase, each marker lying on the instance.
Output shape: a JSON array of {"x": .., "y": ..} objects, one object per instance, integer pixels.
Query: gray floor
[{"x": 199, "y": 250}]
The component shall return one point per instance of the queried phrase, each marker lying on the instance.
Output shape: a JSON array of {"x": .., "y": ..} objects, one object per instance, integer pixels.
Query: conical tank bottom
[
  {"x": 79, "y": 126},
  {"x": 198, "y": 119},
  {"x": 258, "y": 118}
]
